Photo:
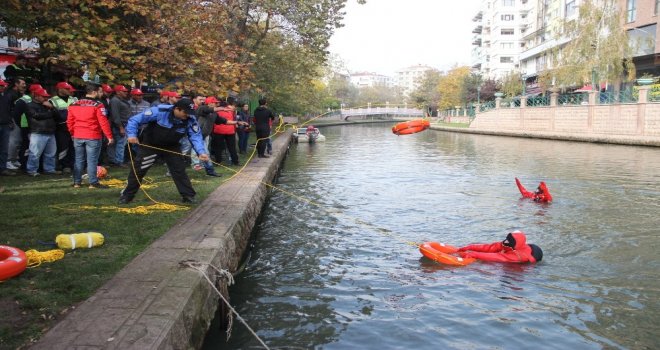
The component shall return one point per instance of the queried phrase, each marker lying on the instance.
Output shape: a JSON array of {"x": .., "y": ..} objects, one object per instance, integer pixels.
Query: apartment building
[
  {"x": 409, "y": 78},
  {"x": 641, "y": 21},
  {"x": 366, "y": 79},
  {"x": 499, "y": 28}
]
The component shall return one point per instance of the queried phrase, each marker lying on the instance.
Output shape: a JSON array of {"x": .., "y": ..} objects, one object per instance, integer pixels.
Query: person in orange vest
[
  {"x": 513, "y": 249},
  {"x": 224, "y": 135}
]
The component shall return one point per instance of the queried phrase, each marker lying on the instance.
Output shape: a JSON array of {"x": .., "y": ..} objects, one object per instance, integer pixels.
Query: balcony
[
  {"x": 478, "y": 16},
  {"x": 477, "y": 29}
]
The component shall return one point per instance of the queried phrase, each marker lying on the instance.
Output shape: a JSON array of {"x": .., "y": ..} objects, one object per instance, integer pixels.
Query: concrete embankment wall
[
  {"x": 155, "y": 302},
  {"x": 630, "y": 124}
]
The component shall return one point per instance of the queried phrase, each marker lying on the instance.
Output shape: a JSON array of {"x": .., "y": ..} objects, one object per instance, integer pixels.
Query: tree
[
  {"x": 598, "y": 48},
  {"x": 512, "y": 84},
  {"x": 450, "y": 87},
  {"x": 427, "y": 93}
]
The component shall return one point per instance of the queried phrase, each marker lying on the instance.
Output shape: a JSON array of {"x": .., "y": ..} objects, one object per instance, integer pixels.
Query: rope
[
  {"x": 230, "y": 280},
  {"x": 35, "y": 258}
]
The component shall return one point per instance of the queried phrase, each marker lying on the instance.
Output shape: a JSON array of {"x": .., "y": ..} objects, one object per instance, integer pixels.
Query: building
[
  {"x": 641, "y": 21},
  {"x": 499, "y": 28},
  {"x": 410, "y": 77},
  {"x": 10, "y": 47},
  {"x": 365, "y": 79}
]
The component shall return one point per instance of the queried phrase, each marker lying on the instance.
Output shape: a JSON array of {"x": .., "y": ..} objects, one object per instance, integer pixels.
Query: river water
[{"x": 335, "y": 270}]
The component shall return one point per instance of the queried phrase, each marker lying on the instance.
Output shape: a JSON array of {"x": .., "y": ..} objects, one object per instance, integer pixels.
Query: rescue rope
[
  {"x": 230, "y": 280},
  {"x": 35, "y": 257}
]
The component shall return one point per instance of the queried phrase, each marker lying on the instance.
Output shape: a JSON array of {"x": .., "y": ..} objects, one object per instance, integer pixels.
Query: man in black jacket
[
  {"x": 7, "y": 124},
  {"x": 262, "y": 118},
  {"x": 42, "y": 118}
]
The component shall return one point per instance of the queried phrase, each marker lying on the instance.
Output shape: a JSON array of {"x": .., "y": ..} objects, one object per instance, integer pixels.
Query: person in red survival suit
[
  {"x": 542, "y": 193},
  {"x": 513, "y": 249}
]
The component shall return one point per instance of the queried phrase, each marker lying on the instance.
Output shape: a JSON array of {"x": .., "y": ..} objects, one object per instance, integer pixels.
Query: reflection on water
[{"x": 340, "y": 276}]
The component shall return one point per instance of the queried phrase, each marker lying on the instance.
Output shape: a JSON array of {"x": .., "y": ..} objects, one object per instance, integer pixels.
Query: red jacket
[
  {"x": 225, "y": 129},
  {"x": 87, "y": 119},
  {"x": 542, "y": 195},
  {"x": 498, "y": 252}
]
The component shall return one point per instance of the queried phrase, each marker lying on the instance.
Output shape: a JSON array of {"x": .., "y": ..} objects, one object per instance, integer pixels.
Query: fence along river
[{"x": 320, "y": 280}]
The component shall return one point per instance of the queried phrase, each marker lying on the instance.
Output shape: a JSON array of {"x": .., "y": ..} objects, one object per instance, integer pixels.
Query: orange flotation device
[
  {"x": 12, "y": 262},
  {"x": 411, "y": 127},
  {"x": 442, "y": 253}
]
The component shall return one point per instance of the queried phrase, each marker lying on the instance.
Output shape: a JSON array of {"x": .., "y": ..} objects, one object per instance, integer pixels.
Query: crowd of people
[{"x": 53, "y": 133}]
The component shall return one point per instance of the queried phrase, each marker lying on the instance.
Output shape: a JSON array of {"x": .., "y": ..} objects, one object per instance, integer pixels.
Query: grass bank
[{"x": 37, "y": 209}]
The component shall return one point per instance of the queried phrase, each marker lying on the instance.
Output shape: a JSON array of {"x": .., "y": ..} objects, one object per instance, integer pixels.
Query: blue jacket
[{"x": 162, "y": 117}]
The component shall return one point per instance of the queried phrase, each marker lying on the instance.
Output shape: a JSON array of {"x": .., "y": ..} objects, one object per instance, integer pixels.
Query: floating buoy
[
  {"x": 12, "y": 262},
  {"x": 442, "y": 253},
  {"x": 79, "y": 240},
  {"x": 411, "y": 127}
]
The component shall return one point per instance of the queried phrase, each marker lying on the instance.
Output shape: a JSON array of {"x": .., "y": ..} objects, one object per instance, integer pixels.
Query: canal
[{"x": 331, "y": 266}]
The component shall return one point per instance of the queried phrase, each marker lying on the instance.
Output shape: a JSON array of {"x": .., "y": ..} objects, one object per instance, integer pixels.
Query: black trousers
[
  {"x": 146, "y": 158},
  {"x": 65, "y": 152},
  {"x": 262, "y": 133},
  {"x": 25, "y": 146},
  {"x": 221, "y": 142}
]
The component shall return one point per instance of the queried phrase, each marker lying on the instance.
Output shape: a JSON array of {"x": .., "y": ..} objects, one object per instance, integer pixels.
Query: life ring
[
  {"x": 12, "y": 262},
  {"x": 441, "y": 253},
  {"x": 411, "y": 127}
]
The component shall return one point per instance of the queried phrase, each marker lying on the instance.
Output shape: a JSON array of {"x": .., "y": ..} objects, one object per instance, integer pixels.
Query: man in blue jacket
[{"x": 165, "y": 126}]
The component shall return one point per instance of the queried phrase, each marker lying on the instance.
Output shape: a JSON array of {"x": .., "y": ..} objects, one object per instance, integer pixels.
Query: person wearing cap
[
  {"x": 87, "y": 122},
  {"x": 206, "y": 117},
  {"x": 42, "y": 119},
  {"x": 165, "y": 126},
  {"x": 120, "y": 111},
  {"x": 61, "y": 102},
  {"x": 513, "y": 249},
  {"x": 162, "y": 99},
  {"x": 138, "y": 105}
]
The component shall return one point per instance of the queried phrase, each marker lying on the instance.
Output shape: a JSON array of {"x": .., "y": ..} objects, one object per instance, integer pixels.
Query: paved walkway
[{"x": 154, "y": 302}]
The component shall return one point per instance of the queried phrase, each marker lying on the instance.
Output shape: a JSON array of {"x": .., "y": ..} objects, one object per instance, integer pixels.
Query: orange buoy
[
  {"x": 411, "y": 127},
  {"x": 12, "y": 262},
  {"x": 442, "y": 253}
]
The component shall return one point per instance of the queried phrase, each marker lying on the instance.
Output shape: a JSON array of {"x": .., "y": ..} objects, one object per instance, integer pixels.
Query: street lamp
[
  {"x": 478, "y": 94},
  {"x": 523, "y": 78}
]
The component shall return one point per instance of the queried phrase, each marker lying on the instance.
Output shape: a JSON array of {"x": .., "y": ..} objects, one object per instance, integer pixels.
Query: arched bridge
[{"x": 366, "y": 113}]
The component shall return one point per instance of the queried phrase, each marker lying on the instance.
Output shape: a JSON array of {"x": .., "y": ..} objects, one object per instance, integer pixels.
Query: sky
[{"x": 384, "y": 36}]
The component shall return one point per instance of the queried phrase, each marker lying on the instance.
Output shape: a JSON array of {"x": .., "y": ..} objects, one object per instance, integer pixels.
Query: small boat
[{"x": 308, "y": 135}]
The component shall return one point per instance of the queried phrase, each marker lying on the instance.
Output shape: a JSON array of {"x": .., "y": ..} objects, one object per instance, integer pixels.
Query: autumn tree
[
  {"x": 450, "y": 87},
  {"x": 512, "y": 84},
  {"x": 598, "y": 48}
]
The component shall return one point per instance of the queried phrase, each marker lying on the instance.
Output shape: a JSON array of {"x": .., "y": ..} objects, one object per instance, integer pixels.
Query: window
[
  {"x": 506, "y": 59},
  {"x": 12, "y": 41},
  {"x": 506, "y": 45},
  {"x": 508, "y": 2},
  {"x": 631, "y": 10},
  {"x": 507, "y": 17},
  {"x": 507, "y": 31},
  {"x": 571, "y": 8}
]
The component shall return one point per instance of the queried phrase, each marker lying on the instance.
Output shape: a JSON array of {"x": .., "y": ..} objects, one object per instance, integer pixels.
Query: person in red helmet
[
  {"x": 513, "y": 249},
  {"x": 542, "y": 193}
]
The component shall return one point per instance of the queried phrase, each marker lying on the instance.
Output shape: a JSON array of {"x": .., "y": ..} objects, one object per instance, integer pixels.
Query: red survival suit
[
  {"x": 541, "y": 195},
  {"x": 514, "y": 249}
]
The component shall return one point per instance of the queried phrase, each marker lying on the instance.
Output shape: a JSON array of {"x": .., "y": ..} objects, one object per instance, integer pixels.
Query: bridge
[{"x": 367, "y": 113}]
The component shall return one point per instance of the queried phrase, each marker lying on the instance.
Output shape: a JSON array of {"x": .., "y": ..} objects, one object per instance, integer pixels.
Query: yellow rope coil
[
  {"x": 35, "y": 258},
  {"x": 79, "y": 240}
]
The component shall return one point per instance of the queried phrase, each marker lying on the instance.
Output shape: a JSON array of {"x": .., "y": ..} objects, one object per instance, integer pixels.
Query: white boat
[{"x": 308, "y": 135}]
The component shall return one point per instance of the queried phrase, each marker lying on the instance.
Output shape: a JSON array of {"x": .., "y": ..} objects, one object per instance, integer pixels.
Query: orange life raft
[
  {"x": 411, "y": 127},
  {"x": 12, "y": 262},
  {"x": 442, "y": 253}
]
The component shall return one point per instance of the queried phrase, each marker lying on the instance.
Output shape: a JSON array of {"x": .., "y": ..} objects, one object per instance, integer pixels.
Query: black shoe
[
  {"x": 236, "y": 164},
  {"x": 212, "y": 173},
  {"x": 263, "y": 156},
  {"x": 98, "y": 185},
  {"x": 188, "y": 200},
  {"x": 125, "y": 200}
]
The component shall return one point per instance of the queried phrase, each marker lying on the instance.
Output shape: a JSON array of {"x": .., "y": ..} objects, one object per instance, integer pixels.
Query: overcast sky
[{"x": 384, "y": 36}]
